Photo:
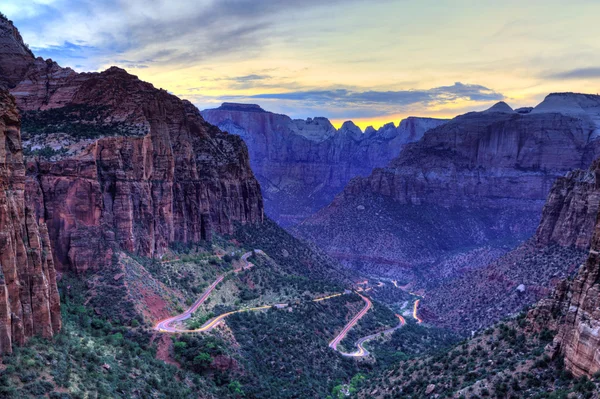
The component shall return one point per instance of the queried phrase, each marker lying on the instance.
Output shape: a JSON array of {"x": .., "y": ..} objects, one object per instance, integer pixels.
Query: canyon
[
  {"x": 303, "y": 164},
  {"x": 117, "y": 189},
  {"x": 473, "y": 299},
  {"x": 479, "y": 180}
]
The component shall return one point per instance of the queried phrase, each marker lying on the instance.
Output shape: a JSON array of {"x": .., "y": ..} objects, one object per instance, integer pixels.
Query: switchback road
[
  {"x": 334, "y": 343},
  {"x": 362, "y": 351},
  {"x": 166, "y": 325}
]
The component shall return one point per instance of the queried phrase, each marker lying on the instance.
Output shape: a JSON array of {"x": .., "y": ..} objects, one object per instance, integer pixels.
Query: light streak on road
[
  {"x": 415, "y": 312},
  {"x": 166, "y": 325},
  {"x": 334, "y": 343},
  {"x": 362, "y": 351},
  {"x": 327, "y": 297}
]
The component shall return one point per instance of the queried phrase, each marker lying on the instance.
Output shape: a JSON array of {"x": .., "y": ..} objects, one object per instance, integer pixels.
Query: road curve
[
  {"x": 334, "y": 343},
  {"x": 362, "y": 351},
  {"x": 415, "y": 312},
  {"x": 166, "y": 325}
]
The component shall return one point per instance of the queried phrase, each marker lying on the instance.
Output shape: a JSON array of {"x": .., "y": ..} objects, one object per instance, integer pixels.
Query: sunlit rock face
[
  {"x": 114, "y": 163},
  {"x": 29, "y": 302},
  {"x": 481, "y": 178},
  {"x": 302, "y": 164}
]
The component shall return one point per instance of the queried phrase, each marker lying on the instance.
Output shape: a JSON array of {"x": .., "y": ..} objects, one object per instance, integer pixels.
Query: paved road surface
[
  {"x": 334, "y": 343},
  {"x": 415, "y": 312},
  {"x": 166, "y": 325},
  {"x": 362, "y": 351}
]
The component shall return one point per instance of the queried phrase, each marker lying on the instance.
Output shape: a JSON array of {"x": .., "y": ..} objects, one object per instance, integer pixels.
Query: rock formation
[
  {"x": 569, "y": 215},
  {"x": 574, "y": 308},
  {"x": 475, "y": 299},
  {"x": 303, "y": 164},
  {"x": 117, "y": 163},
  {"x": 29, "y": 302},
  {"x": 579, "y": 332},
  {"x": 481, "y": 178}
]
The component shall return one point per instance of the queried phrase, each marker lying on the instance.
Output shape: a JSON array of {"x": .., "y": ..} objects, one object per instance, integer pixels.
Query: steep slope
[
  {"x": 302, "y": 164},
  {"x": 479, "y": 180},
  {"x": 573, "y": 309},
  {"x": 29, "y": 302},
  {"x": 475, "y": 299},
  {"x": 118, "y": 164}
]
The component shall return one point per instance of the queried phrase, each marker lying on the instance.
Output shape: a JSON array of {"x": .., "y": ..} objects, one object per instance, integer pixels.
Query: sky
[{"x": 372, "y": 61}]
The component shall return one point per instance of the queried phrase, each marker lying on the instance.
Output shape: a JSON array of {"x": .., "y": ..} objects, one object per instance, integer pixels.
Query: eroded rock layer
[
  {"x": 29, "y": 302},
  {"x": 302, "y": 164},
  {"x": 479, "y": 179},
  {"x": 117, "y": 163}
]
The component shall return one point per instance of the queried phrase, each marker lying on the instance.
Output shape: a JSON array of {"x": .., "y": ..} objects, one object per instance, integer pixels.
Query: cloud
[
  {"x": 250, "y": 78},
  {"x": 437, "y": 95},
  {"x": 578, "y": 73},
  {"x": 192, "y": 31},
  {"x": 354, "y": 104}
]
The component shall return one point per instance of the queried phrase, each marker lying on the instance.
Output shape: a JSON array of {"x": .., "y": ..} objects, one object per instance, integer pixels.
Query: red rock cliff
[
  {"x": 29, "y": 303},
  {"x": 138, "y": 167}
]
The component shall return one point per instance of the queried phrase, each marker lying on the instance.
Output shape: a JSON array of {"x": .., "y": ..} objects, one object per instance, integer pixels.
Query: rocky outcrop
[
  {"x": 525, "y": 275},
  {"x": 29, "y": 302},
  {"x": 569, "y": 215},
  {"x": 303, "y": 164},
  {"x": 481, "y": 178},
  {"x": 115, "y": 163},
  {"x": 579, "y": 333},
  {"x": 574, "y": 309},
  {"x": 15, "y": 56}
]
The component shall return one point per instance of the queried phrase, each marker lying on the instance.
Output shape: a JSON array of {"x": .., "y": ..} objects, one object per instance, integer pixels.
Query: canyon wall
[
  {"x": 477, "y": 298},
  {"x": 303, "y": 164},
  {"x": 574, "y": 307},
  {"x": 29, "y": 301},
  {"x": 480, "y": 179},
  {"x": 114, "y": 163}
]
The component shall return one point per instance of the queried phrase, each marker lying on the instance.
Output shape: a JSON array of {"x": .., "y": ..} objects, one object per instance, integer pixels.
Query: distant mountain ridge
[
  {"x": 481, "y": 178},
  {"x": 302, "y": 164}
]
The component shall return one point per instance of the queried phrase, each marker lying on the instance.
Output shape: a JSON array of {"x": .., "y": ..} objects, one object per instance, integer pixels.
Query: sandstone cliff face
[
  {"x": 478, "y": 179},
  {"x": 569, "y": 215},
  {"x": 15, "y": 57},
  {"x": 303, "y": 164},
  {"x": 579, "y": 332},
  {"x": 477, "y": 298},
  {"x": 29, "y": 302},
  {"x": 131, "y": 167},
  {"x": 574, "y": 307}
]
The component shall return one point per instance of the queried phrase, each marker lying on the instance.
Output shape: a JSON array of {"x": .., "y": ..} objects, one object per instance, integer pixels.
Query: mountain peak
[
  {"x": 349, "y": 128},
  {"x": 15, "y": 55},
  {"x": 500, "y": 107},
  {"x": 241, "y": 107},
  {"x": 569, "y": 103}
]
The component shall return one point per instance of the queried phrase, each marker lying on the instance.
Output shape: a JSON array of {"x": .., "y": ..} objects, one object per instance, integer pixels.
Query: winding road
[
  {"x": 362, "y": 351},
  {"x": 334, "y": 343},
  {"x": 415, "y": 312},
  {"x": 167, "y": 325}
]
